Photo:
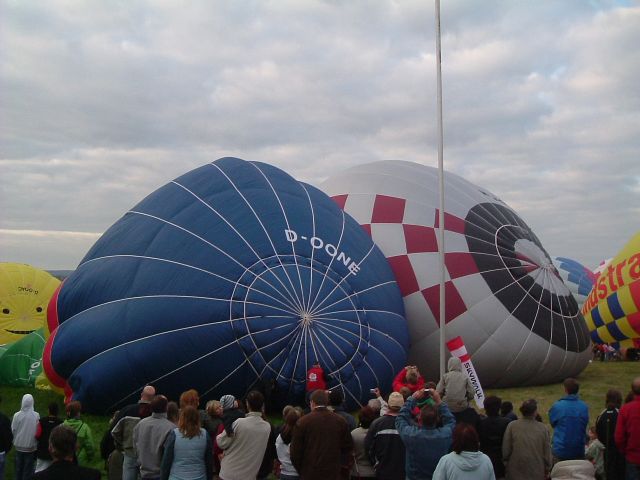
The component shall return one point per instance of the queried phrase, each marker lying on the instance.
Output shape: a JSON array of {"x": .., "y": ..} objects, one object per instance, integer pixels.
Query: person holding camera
[{"x": 425, "y": 443}]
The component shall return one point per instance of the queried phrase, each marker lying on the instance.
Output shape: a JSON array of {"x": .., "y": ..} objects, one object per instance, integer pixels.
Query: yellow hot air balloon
[
  {"x": 612, "y": 310},
  {"x": 25, "y": 292}
]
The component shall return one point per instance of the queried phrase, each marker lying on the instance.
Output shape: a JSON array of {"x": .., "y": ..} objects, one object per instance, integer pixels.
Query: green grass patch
[{"x": 595, "y": 380}]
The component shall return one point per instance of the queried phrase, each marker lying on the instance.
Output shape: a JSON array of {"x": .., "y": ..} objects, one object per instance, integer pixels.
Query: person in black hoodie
[
  {"x": 45, "y": 426},
  {"x": 6, "y": 441},
  {"x": 614, "y": 461},
  {"x": 491, "y": 432}
]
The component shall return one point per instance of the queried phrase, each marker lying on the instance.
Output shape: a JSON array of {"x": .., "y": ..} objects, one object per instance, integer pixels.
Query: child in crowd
[
  {"x": 595, "y": 453},
  {"x": 230, "y": 412}
]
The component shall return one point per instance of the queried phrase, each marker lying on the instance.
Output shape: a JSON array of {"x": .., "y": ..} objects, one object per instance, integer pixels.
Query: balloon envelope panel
[
  {"x": 518, "y": 320},
  {"x": 612, "y": 310},
  {"x": 231, "y": 275},
  {"x": 578, "y": 278},
  {"x": 24, "y": 294}
]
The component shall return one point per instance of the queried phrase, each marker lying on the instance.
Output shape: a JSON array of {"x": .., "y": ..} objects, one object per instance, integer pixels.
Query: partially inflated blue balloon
[{"x": 231, "y": 275}]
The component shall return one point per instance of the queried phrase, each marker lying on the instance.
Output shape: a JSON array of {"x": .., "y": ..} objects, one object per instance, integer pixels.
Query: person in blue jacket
[
  {"x": 569, "y": 418},
  {"x": 425, "y": 443}
]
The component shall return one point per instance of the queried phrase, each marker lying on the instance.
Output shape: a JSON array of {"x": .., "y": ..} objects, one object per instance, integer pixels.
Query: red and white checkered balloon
[{"x": 504, "y": 297}]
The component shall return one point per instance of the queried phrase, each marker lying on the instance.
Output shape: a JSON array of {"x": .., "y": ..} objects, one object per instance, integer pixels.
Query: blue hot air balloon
[{"x": 231, "y": 275}]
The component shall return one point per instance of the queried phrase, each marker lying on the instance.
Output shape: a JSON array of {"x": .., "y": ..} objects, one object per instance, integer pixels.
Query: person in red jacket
[
  {"x": 627, "y": 434},
  {"x": 409, "y": 377},
  {"x": 315, "y": 378}
]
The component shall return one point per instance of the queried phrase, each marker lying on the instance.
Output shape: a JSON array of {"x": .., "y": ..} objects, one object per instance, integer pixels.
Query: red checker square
[
  {"x": 454, "y": 305},
  {"x": 367, "y": 228},
  {"x": 341, "y": 200},
  {"x": 451, "y": 222},
  {"x": 634, "y": 321},
  {"x": 388, "y": 209},
  {"x": 634, "y": 289},
  {"x": 420, "y": 239},
  {"x": 460, "y": 264},
  {"x": 404, "y": 273}
]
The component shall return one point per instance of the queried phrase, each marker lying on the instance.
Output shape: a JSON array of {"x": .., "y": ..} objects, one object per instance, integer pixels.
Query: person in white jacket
[
  {"x": 465, "y": 462},
  {"x": 23, "y": 427}
]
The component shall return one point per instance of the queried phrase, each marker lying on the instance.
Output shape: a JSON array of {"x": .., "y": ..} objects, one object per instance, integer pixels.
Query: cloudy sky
[{"x": 102, "y": 102}]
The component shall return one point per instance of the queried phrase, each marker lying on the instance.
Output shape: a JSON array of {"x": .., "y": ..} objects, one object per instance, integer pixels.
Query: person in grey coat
[{"x": 526, "y": 447}]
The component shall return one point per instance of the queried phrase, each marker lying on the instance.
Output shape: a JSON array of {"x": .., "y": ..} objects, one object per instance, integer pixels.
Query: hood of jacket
[
  {"x": 467, "y": 461},
  {"x": 454, "y": 365},
  {"x": 27, "y": 403}
]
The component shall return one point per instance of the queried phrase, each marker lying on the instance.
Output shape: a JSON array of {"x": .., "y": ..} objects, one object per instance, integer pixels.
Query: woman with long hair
[
  {"x": 187, "y": 450},
  {"x": 287, "y": 470},
  {"x": 465, "y": 462},
  {"x": 362, "y": 467}
]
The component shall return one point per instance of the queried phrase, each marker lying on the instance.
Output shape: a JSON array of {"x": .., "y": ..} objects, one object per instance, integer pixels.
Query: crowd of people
[{"x": 421, "y": 430}]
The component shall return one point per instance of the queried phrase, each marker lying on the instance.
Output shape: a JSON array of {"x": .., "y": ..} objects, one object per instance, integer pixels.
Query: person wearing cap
[
  {"x": 526, "y": 447},
  {"x": 230, "y": 413},
  {"x": 425, "y": 443},
  {"x": 383, "y": 443},
  {"x": 244, "y": 450}
]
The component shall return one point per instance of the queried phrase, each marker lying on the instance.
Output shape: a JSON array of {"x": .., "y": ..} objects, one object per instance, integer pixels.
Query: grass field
[{"x": 595, "y": 380}]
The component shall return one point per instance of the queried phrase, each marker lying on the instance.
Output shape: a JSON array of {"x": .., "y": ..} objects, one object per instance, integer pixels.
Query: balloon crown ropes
[{"x": 209, "y": 283}]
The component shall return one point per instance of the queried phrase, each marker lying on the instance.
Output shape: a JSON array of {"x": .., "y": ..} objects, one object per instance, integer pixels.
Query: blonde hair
[{"x": 212, "y": 406}]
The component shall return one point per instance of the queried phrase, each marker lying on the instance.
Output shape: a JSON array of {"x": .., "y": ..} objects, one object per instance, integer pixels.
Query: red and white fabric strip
[{"x": 457, "y": 349}]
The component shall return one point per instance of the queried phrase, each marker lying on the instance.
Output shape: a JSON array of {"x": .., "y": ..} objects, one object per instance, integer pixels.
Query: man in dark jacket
[
  {"x": 321, "y": 442},
  {"x": 6, "y": 441},
  {"x": 569, "y": 418},
  {"x": 62, "y": 445},
  {"x": 491, "y": 432},
  {"x": 336, "y": 399},
  {"x": 383, "y": 443}
]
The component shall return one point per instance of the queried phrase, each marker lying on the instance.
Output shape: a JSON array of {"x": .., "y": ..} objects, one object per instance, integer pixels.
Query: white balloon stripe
[
  {"x": 286, "y": 220},
  {"x": 196, "y": 236},
  {"x": 213, "y": 274},
  {"x": 321, "y": 330},
  {"x": 352, "y": 323},
  {"x": 141, "y": 297},
  {"x": 246, "y": 242},
  {"x": 297, "y": 331},
  {"x": 343, "y": 279},
  {"x": 326, "y": 272},
  {"x": 266, "y": 232},
  {"x": 354, "y": 294},
  {"x": 227, "y": 376},
  {"x": 279, "y": 340},
  {"x": 365, "y": 310},
  {"x": 159, "y": 334},
  {"x": 529, "y": 334},
  {"x": 313, "y": 250},
  {"x": 191, "y": 362}
]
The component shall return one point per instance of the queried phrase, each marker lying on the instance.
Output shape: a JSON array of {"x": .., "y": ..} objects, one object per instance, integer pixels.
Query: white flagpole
[{"x": 441, "y": 192}]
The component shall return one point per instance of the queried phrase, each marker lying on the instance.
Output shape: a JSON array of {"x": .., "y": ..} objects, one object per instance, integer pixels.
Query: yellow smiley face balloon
[{"x": 25, "y": 292}]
